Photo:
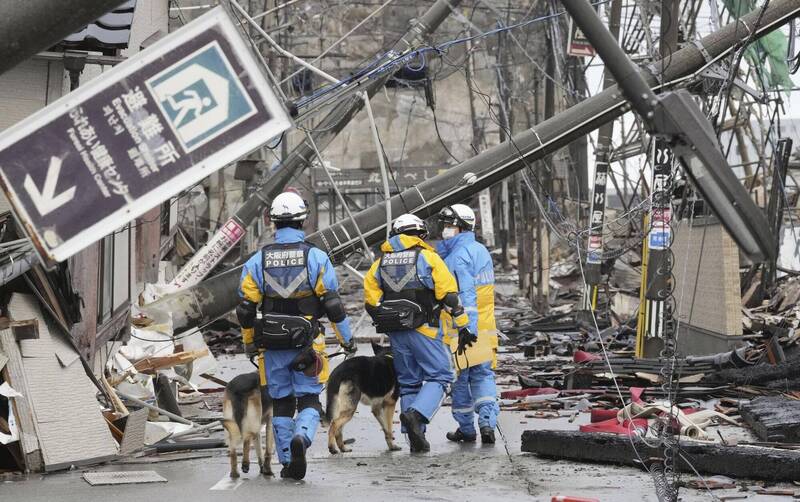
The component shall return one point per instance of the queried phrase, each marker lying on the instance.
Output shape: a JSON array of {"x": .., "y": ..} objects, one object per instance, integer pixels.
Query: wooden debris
[
  {"x": 214, "y": 379},
  {"x": 150, "y": 365},
  {"x": 773, "y": 418}
]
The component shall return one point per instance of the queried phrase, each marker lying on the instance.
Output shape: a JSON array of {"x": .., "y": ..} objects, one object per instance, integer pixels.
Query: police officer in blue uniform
[
  {"x": 474, "y": 391},
  {"x": 294, "y": 284},
  {"x": 405, "y": 292}
]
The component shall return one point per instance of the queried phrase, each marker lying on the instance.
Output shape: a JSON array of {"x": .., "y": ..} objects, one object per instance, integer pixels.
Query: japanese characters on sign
[
  {"x": 216, "y": 249},
  {"x": 595, "y": 246},
  {"x": 137, "y": 135},
  {"x": 661, "y": 215}
]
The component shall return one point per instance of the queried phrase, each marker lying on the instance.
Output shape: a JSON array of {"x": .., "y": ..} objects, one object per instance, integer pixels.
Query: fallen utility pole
[
  {"x": 233, "y": 230},
  {"x": 30, "y": 26},
  {"x": 749, "y": 462},
  {"x": 201, "y": 304}
]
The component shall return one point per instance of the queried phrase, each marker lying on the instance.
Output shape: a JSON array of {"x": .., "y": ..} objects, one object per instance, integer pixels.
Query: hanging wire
[{"x": 792, "y": 57}]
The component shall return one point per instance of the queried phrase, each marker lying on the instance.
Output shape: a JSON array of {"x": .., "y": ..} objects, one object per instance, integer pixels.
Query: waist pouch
[
  {"x": 398, "y": 315},
  {"x": 284, "y": 332}
]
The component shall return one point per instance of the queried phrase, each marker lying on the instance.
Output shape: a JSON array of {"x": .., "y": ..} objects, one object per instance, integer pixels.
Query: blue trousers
[
  {"x": 475, "y": 392},
  {"x": 424, "y": 371},
  {"x": 282, "y": 382}
]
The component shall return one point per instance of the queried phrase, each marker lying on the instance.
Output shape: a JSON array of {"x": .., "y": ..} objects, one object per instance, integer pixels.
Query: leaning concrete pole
[
  {"x": 597, "y": 209},
  {"x": 301, "y": 156},
  {"x": 215, "y": 297},
  {"x": 30, "y": 26}
]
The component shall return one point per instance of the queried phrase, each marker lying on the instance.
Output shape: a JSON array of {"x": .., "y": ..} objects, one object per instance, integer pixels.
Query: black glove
[
  {"x": 465, "y": 339},
  {"x": 350, "y": 347},
  {"x": 250, "y": 350}
]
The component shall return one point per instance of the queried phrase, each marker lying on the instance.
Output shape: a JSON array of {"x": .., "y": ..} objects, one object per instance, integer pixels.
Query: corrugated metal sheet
[{"x": 67, "y": 418}]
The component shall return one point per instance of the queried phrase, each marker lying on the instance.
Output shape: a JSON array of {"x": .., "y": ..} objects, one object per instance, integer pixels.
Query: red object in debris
[
  {"x": 636, "y": 394},
  {"x": 599, "y": 415},
  {"x": 613, "y": 426},
  {"x": 581, "y": 356},
  {"x": 568, "y": 498},
  {"x": 514, "y": 394}
]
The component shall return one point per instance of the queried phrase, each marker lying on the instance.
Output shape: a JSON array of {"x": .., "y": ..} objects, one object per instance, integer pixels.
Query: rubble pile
[{"x": 747, "y": 396}]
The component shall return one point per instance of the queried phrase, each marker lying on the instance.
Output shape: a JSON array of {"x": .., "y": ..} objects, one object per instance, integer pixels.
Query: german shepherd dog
[
  {"x": 245, "y": 409},
  {"x": 371, "y": 380}
]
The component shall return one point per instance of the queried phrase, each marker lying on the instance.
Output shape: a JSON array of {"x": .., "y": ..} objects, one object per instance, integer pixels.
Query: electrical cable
[
  {"x": 439, "y": 135},
  {"x": 371, "y": 72},
  {"x": 572, "y": 229},
  {"x": 341, "y": 39}
]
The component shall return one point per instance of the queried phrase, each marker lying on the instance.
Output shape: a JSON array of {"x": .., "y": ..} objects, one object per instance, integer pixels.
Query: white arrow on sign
[{"x": 47, "y": 201}]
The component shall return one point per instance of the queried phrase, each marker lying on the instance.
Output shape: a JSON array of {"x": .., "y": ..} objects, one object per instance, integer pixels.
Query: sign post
[{"x": 137, "y": 135}]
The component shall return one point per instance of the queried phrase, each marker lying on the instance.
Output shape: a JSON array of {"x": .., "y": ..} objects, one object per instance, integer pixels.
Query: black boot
[
  {"x": 487, "y": 435},
  {"x": 460, "y": 437},
  {"x": 297, "y": 467},
  {"x": 414, "y": 422}
]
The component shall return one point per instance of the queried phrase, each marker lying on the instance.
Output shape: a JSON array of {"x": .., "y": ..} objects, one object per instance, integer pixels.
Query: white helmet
[
  {"x": 409, "y": 224},
  {"x": 458, "y": 215},
  {"x": 288, "y": 206}
]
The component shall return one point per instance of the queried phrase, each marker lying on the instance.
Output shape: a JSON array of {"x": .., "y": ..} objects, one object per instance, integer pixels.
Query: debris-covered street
[
  {"x": 458, "y": 250},
  {"x": 482, "y": 472}
]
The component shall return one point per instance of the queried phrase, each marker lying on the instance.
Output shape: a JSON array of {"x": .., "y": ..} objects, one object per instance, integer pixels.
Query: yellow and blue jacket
[
  {"x": 319, "y": 273},
  {"x": 471, "y": 263},
  {"x": 431, "y": 272}
]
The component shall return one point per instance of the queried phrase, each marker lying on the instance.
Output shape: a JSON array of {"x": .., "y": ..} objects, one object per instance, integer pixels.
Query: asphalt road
[{"x": 450, "y": 472}]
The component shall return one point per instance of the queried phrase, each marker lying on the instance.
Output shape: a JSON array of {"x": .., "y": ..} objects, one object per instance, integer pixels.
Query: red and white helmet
[
  {"x": 288, "y": 206},
  {"x": 409, "y": 224}
]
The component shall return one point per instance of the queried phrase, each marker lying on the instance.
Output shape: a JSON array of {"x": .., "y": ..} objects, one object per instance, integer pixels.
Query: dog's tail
[
  {"x": 238, "y": 389},
  {"x": 332, "y": 390}
]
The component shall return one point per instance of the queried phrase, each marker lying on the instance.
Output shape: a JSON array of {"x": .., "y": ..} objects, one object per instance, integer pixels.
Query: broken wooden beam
[
  {"x": 149, "y": 365},
  {"x": 773, "y": 418},
  {"x": 735, "y": 461}
]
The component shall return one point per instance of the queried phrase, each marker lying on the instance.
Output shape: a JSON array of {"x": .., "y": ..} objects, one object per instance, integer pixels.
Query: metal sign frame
[{"x": 279, "y": 121}]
